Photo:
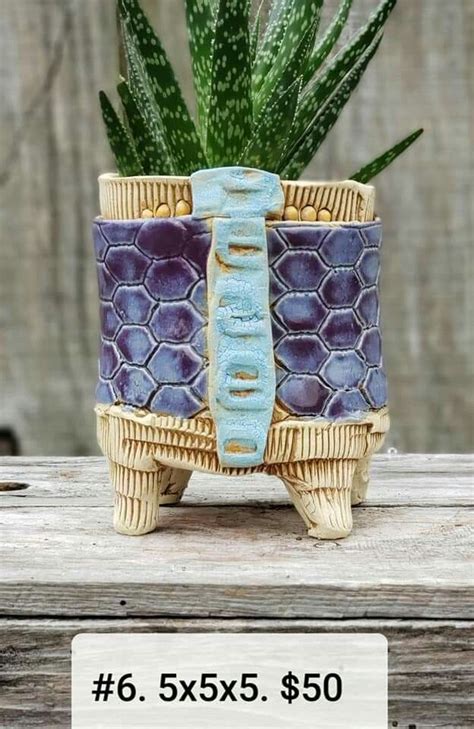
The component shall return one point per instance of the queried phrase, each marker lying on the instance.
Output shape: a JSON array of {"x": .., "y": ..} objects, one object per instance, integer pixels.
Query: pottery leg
[
  {"x": 137, "y": 498},
  {"x": 321, "y": 492},
  {"x": 172, "y": 488},
  {"x": 360, "y": 482}
]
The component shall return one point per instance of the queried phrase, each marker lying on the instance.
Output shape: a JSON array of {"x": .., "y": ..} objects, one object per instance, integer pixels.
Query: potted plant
[{"x": 239, "y": 306}]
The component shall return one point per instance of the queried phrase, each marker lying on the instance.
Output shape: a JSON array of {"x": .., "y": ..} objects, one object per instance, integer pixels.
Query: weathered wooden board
[
  {"x": 430, "y": 664},
  {"x": 243, "y": 558},
  {"x": 55, "y": 57},
  {"x": 244, "y": 565},
  {"x": 396, "y": 480},
  {"x": 236, "y": 561}
]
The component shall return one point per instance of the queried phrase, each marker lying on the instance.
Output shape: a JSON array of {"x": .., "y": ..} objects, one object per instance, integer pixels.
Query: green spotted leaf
[
  {"x": 272, "y": 39},
  {"x": 230, "y": 103},
  {"x": 120, "y": 141},
  {"x": 271, "y": 130},
  {"x": 291, "y": 28},
  {"x": 266, "y": 96},
  {"x": 366, "y": 173},
  {"x": 179, "y": 128},
  {"x": 255, "y": 34},
  {"x": 303, "y": 152},
  {"x": 201, "y": 22},
  {"x": 324, "y": 85},
  {"x": 322, "y": 50},
  {"x": 293, "y": 56},
  {"x": 142, "y": 94},
  {"x": 145, "y": 143}
]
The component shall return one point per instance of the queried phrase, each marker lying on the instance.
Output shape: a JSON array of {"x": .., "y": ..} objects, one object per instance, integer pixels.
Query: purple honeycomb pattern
[
  {"x": 325, "y": 316},
  {"x": 325, "y": 311},
  {"x": 153, "y": 313}
]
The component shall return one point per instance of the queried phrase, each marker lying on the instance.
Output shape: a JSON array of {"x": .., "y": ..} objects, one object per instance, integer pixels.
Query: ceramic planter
[{"x": 240, "y": 333}]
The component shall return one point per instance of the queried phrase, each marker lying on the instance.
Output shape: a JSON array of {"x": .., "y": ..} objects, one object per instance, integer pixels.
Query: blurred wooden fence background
[{"x": 56, "y": 54}]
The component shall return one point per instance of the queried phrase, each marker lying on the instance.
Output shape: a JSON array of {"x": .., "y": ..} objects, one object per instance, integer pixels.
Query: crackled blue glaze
[
  {"x": 324, "y": 313},
  {"x": 236, "y": 192},
  {"x": 241, "y": 365}
]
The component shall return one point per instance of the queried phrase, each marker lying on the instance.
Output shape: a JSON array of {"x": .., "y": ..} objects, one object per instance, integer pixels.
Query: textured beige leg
[
  {"x": 137, "y": 498},
  {"x": 360, "y": 482},
  {"x": 321, "y": 492},
  {"x": 172, "y": 488}
]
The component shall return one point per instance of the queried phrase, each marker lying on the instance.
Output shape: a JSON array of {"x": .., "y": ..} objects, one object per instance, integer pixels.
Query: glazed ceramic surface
[
  {"x": 324, "y": 313},
  {"x": 241, "y": 337}
]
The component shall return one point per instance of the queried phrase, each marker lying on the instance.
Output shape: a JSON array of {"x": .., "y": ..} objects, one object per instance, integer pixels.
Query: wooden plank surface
[
  {"x": 234, "y": 558},
  {"x": 246, "y": 557},
  {"x": 56, "y": 55},
  {"x": 430, "y": 664},
  {"x": 401, "y": 480}
]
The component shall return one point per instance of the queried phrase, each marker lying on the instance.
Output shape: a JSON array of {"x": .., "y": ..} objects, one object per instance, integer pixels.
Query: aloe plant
[{"x": 267, "y": 93}]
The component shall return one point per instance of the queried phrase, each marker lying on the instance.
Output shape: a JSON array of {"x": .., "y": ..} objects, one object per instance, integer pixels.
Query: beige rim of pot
[{"x": 126, "y": 198}]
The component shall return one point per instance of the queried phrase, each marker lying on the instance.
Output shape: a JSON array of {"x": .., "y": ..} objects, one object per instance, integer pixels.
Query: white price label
[{"x": 216, "y": 681}]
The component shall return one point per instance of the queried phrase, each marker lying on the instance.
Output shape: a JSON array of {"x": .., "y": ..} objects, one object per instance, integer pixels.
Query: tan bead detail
[
  {"x": 147, "y": 213},
  {"x": 183, "y": 208},
  {"x": 308, "y": 213},
  {"x": 291, "y": 213},
  {"x": 324, "y": 215},
  {"x": 163, "y": 211}
]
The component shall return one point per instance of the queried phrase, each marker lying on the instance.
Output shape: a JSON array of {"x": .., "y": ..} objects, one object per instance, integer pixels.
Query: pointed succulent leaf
[
  {"x": 366, "y": 173},
  {"x": 274, "y": 32},
  {"x": 142, "y": 94},
  {"x": 230, "y": 102},
  {"x": 288, "y": 23},
  {"x": 323, "y": 86},
  {"x": 178, "y": 126},
  {"x": 322, "y": 50},
  {"x": 120, "y": 141},
  {"x": 146, "y": 148},
  {"x": 255, "y": 36},
  {"x": 292, "y": 60},
  {"x": 201, "y": 21},
  {"x": 302, "y": 153},
  {"x": 271, "y": 129}
]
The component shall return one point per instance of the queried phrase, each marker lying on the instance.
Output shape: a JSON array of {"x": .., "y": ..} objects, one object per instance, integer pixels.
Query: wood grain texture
[
  {"x": 232, "y": 558},
  {"x": 396, "y": 480},
  {"x": 430, "y": 664},
  {"x": 56, "y": 55},
  {"x": 240, "y": 559}
]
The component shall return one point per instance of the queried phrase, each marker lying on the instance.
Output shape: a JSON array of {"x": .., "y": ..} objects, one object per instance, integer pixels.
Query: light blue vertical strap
[{"x": 241, "y": 364}]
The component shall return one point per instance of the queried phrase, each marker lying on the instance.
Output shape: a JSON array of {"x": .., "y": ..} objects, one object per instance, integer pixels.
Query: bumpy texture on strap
[{"x": 241, "y": 363}]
